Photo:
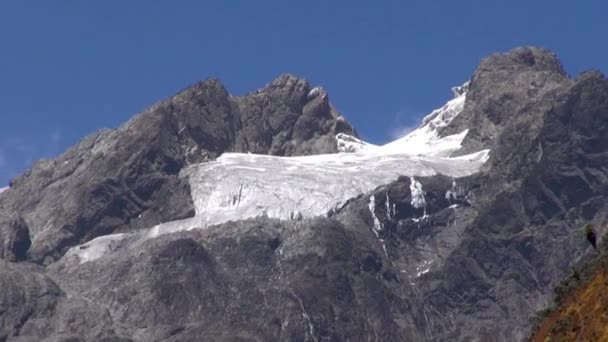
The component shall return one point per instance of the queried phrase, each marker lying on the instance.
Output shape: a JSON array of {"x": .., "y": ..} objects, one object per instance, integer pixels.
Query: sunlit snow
[
  {"x": 425, "y": 140},
  {"x": 3, "y": 189},
  {"x": 238, "y": 186},
  {"x": 418, "y": 200},
  {"x": 98, "y": 247}
]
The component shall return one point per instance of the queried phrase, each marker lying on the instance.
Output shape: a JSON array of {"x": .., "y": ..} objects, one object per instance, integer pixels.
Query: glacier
[{"x": 238, "y": 186}]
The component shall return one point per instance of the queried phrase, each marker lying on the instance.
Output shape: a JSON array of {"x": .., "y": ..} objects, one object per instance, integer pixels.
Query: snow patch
[
  {"x": 418, "y": 200},
  {"x": 314, "y": 92},
  {"x": 422, "y": 218},
  {"x": 454, "y": 193},
  {"x": 377, "y": 227},
  {"x": 3, "y": 189},
  {"x": 461, "y": 90},
  {"x": 349, "y": 144},
  {"x": 424, "y": 141},
  {"x": 423, "y": 268},
  {"x": 377, "y": 224},
  {"x": 97, "y": 248},
  {"x": 390, "y": 210},
  {"x": 372, "y": 209}
]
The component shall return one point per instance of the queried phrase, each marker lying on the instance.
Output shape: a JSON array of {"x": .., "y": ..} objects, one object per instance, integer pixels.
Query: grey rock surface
[
  {"x": 475, "y": 262},
  {"x": 255, "y": 280},
  {"x": 15, "y": 238},
  {"x": 502, "y": 89},
  {"x": 34, "y": 308}
]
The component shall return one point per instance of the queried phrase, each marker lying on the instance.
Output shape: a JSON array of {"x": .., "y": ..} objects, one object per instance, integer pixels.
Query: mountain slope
[
  {"x": 583, "y": 317},
  {"x": 580, "y": 312},
  {"x": 439, "y": 256}
]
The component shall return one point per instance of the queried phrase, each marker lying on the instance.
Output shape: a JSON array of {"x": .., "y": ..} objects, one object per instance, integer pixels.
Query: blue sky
[{"x": 71, "y": 67}]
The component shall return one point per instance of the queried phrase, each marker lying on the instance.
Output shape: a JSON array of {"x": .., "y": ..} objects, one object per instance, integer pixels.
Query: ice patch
[
  {"x": 349, "y": 144},
  {"x": 454, "y": 192},
  {"x": 418, "y": 200},
  {"x": 390, "y": 210},
  {"x": 372, "y": 209},
  {"x": 422, "y": 218},
  {"x": 232, "y": 187},
  {"x": 377, "y": 224},
  {"x": 423, "y": 268},
  {"x": 97, "y": 248},
  {"x": 314, "y": 92}
]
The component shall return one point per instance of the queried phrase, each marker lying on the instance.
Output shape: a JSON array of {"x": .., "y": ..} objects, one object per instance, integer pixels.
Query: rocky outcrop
[
  {"x": 34, "y": 308},
  {"x": 502, "y": 91},
  {"x": 255, "y": 280},
  {"x": 15, "y": 238},
  {"x": 128, "y": 178}
]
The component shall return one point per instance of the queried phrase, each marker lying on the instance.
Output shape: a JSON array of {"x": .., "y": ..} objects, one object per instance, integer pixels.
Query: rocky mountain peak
[
  {"x": 503, "y": 87},
  {"x": 287, "y": 80},
  {"x": 62, "y": 201},
  {"x": 211, "y": 85},
  {"x": 295, "y": 91},
  {"x": 286, "y": 86},
  {"x": 534, "y": 58}
]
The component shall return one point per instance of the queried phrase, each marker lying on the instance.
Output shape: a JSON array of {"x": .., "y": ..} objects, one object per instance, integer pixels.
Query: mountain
[{"x": 265, "y": 217}]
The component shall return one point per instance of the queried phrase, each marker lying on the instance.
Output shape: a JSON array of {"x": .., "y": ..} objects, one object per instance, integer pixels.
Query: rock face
[
  {"x": 421, "y": 258},
  {"x": 125, "y": 179},
  {"x": 502, "y": 89}
]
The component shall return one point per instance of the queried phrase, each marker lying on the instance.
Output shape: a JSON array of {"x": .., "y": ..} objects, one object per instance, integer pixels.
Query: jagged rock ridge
[{"x": 126, "y": 179}]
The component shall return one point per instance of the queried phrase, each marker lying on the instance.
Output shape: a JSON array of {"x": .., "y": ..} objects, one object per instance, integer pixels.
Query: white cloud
[
  {"x": 17, "y": 153},
  {"x": 401, "y": 131},
  {"x": 55, "y": 136},
  {"x": 404, "y": 122}
]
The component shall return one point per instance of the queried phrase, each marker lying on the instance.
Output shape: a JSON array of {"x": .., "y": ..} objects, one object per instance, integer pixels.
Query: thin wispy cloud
[
  {"x": 19, "y": 153},
  {"x": 2, "y": 159},
  {"x": 404, "y": 122},
  {"x": 400, "y": 132},
  {"x": 55, "y": 137}
]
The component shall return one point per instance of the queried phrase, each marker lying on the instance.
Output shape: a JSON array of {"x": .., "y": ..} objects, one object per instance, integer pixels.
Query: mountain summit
[{"x": 264, "y": 217}]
